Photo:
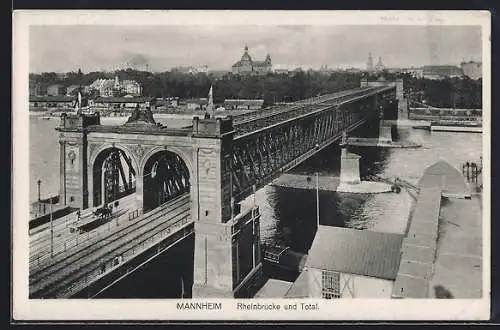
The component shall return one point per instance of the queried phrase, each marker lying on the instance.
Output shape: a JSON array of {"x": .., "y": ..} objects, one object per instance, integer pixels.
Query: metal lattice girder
[{"x": 263, "y": 154}]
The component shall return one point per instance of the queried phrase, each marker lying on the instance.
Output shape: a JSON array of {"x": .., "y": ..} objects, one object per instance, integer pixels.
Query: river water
[{"x": 288, "y": 215}]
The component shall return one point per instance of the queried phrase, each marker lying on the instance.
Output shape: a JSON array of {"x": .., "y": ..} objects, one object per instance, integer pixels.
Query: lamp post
[
  {"x": 39, "y": 183},
  {"x": 51, "y": 230}
]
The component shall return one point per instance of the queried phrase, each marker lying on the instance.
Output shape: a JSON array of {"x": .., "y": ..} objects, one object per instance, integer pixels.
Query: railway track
[
  {"x": 61, "y": 261},
  {"x": 91, "y": 262},
  {"x": 77, "y": 265}
]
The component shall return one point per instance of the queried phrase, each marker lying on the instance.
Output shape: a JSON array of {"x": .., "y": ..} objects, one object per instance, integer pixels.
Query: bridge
[{"x": 164, "y": 184}]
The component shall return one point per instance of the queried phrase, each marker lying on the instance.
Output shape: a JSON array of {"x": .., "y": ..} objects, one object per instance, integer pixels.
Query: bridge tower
[
  {"x": 227, "y": 244},
  {"x": 73, "y": 189}
]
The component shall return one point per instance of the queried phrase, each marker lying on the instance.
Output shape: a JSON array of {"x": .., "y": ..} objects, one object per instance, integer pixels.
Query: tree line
[{"x": 273, "y": 87}]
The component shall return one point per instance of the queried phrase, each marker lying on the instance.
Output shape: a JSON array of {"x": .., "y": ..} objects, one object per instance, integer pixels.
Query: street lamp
[{"x": 39, "y": 183}]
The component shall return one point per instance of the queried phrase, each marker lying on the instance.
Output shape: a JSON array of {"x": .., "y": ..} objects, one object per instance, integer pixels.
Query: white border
[{"x": 359, "y": 309}]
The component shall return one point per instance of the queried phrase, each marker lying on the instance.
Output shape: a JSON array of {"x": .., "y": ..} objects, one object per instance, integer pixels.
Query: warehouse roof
[{"x": 354, "y": 251}]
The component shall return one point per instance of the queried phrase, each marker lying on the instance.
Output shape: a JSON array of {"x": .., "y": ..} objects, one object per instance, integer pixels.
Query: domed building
[{"x": 248, "y": 66}]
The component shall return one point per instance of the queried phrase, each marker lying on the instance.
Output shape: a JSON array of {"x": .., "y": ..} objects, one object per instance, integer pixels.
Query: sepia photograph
[{"x": 232, "y": 165}]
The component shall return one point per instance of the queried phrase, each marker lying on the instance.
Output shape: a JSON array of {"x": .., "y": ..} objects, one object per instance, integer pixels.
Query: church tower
[{"x": 369, "y": 64}]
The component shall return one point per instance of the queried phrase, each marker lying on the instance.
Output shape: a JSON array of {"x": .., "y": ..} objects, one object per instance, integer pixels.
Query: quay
[
  {"x": 438, "y": 256},
  {"x": 463, "y": 129}
]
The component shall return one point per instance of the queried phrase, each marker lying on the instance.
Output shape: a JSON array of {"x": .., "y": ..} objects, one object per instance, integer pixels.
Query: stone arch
[
  {"x": 181, "y": 152},
  {"x": 93, "y": 157},
  {"x": 166, "y": 173},
  {"x": 108, "y": 145}
]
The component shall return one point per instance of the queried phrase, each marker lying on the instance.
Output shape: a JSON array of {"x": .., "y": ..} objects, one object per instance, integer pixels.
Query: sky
[{"x": 99, "y": 47}]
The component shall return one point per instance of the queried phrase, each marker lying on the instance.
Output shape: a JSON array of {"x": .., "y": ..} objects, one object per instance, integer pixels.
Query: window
[{"x": 330, "y": 284}]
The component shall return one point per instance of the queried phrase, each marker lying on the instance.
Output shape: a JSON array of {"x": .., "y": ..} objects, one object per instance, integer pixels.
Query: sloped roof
[
  {"x": 56, "y": 98},
  {"x": 124, "y": 99},
  {"x": 259, "y": 102},
  {"x": 444, "y": 70},
  {"x": 442, "y": 174},
  {"x": 359, "y": 252}
]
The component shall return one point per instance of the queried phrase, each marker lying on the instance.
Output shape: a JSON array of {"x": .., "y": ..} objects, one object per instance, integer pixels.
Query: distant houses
[
  {"x": 243, "y": 104},
  {"x": 51, "y": 102},
  {"x": 56, "y": 90},
  {"x": 121, "y": 103},
  {"x": 197, "y": 104},
  {"x": 435, "y": 72},
  {"x": 115, "y": 87}
]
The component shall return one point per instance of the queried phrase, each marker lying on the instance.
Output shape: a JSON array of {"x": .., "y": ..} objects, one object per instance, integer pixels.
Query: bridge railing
[
  {"x": 77, "y": 239},
  {"x": 162, "y": 239}
]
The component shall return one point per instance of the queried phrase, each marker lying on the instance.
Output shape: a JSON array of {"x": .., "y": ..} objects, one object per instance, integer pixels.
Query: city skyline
[{"x": 160, "y": 48}]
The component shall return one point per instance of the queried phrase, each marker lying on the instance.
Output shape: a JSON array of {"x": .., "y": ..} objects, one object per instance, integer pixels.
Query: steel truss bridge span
[{"x": 264, "y": 148}]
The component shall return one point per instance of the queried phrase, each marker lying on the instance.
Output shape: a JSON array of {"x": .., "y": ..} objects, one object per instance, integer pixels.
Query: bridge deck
[
  {"x": 69, "y": 271},
  {"x": 253, "y": 122}
]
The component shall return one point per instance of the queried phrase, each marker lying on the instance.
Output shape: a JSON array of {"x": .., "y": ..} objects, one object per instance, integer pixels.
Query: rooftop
[
  {"x": 124, "y": 99},
  {"x": 57, "y": 98},
  {"x": 444, "y": 70},
  {"x": 243, "y": 101},
  {"x": 443, "y": 175},
  {"x": 359, "y": 252}
]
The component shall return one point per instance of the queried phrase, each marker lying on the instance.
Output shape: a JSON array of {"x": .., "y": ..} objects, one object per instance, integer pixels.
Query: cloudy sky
[{"x": 98, "y": 47}]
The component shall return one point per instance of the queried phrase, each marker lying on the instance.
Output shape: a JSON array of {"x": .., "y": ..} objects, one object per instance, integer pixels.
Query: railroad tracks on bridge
[{"x": 51, "y": 279}]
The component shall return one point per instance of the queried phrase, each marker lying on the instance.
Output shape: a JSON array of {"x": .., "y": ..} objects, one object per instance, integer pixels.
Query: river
[{"x": 289, "y": 215}]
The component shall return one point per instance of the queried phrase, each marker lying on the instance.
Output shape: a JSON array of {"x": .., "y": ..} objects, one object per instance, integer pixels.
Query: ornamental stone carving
[{"x": 138, "y": 150}]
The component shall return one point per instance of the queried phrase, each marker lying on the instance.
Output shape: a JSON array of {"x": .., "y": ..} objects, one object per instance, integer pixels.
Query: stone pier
[
  {"x": 349, "y": 167},
  {"x": 385, "y": 134}
]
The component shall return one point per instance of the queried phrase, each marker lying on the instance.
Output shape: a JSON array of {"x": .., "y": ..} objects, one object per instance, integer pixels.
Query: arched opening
[
  {"x": 166, "y": 176},
  {"x": 113, "y": 176}
]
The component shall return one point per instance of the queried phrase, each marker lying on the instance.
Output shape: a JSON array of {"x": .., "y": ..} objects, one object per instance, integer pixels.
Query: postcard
[{"x": 251, "y": 165}]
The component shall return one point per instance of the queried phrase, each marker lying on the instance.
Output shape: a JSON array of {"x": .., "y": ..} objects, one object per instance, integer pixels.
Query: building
[
  {"x": 351, "y": 263},
  {"x": 415, "y": 72},
  {"x": 166, "y": 103},
  {"x": 131, "y": 87},
  {"x": 437, "y": 72},
  {"x": 471, "y": 69},
  {"x": 198, "y": 69},
  {"x": 113, "y": 87},
  {"x": 380, "y": 65},
  {"x": 37, "y": 89},
  {"x": 197, "y": 104},
  {"x": 121, "y": 103},
  {"x": 56, "y": 90},
  {"x": 248, "y": 66},
  {"x": 103, "y": 86},
  {"x": 72, "y": 90},
  {"x": 51, "y": 102},
  {"x": 242, "y": 104}
]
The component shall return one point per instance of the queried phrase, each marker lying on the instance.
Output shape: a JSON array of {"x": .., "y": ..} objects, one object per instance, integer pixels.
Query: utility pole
[{"x": 51, "y": 230}]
